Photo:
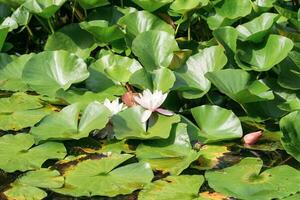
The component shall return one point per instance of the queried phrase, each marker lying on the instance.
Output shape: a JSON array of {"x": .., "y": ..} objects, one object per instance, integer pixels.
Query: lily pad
[
  {"x": 184, "y": 6},
  {"x": 289, "y": 71},
  {"x": 152, "y": 5},
  {"x": 258, "y": 28},
  {"x": 3, "y": 34},
  {"x": 21, "y": 111},
  {"x": 99, "y": 176},
  {"x": 89, "y": 4},
  {"x": 102, "y": 30},
  {"x": 171, "y": 155},
  {"x": 190, "y": 78},
  {"x": 227, "y": 12},
  {"x": 142, "y": 21},
  {"x": 11, "y": 74},
  {"x": 49, "y": 71},
  {"x": 17, "y": 153},
  {"x": 245, "y": 181},
  {"x": 30, "y": 185},
  {"x": 240, "y": 86},
  {"x": 73, "y": 39},
  {"x": 154, "y": 49},
  {"x": 290, "y": 127},
  {"x": 67, "y": 125},
  {"x": 127, "y": 124},
  {"x": 173, "y": 187},
  {"x": 209, "y": 157},
  {"x": 217, "y": 123},
  {"x": 43, "y": 8},
  {"x": 258, "y": 58}
]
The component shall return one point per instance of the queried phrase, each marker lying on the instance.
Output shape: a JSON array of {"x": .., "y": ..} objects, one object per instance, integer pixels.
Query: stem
[
  {"x": 189, "y": 32},
  {"x": 209, "y": 99},
  {"x": 43, "y": 24},
  {"x": 50, "y": 25},
  {"x": 73, "y": 10},
  {"x": 122, "y": 3},
  {"x": 29, "y": 30}
]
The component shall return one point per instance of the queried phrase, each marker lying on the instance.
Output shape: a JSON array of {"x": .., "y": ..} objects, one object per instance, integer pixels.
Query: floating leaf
[
  {"x": 209, "y": 156},
  {"x": 216, "y": 123},
  {"x": 163, "y": 79},
  {"x": 128, "y": 124},
  {"x": 11, "y": 74},
  {"x": 258, "y": 28},
  {"x": 151, "y": 5},
  {"x": 142, "y": 21},
  {"x": 190, "y": 78},
  {"x": 171, "y": 155},
  {"x": 154, "y": 49},
  {"x": 67, "y": 125},
  {"x": 290, "y": 127},
  {"x": 258, "y": 58},
  {"x": 244, "y": 180},
  {"x": 43, "y": 8},
  {"x": 3, "y": 34},
  {"x": 17, "y": 153},
  {"x": 29, "y": 185},
  {"x": 289, "y": 71},
  {"x": 88, "y": 4},
  {"x": 99, "y": 176},
  {"x": 173, "y": 187},
  {"x": 227, "y": 12},
  {"x": 73, "y": 39},
  {"x": 21, "y": 111},
  {"x": 102, "y": 30},
  {"x": 49, "y": 71},
  {"x": 184, "y": 6},
  {"x": 240, "y": 85}
]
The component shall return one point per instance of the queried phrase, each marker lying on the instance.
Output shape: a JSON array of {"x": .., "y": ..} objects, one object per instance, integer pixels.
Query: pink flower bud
[{"x": 252, "y": 138}]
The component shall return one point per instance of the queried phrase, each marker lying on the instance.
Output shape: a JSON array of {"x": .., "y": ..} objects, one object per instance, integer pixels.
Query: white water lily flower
[
  {"x": 114, "y": 106},
  {"x": 151, "y": 102}
]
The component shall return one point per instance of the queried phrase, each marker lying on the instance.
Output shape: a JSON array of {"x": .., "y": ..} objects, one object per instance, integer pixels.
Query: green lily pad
[
  {"x": 227, "y": 12},
  {"x": 172, "y": 155},
  {"x": 99, "y": 176},
  {"x": 73, "y": 39},
  {"x": 173, "y": 187},
  {"x": 43, "y": 8},
  {"x": 258, "y": 28},
  {"x": 11, "y": 74},
  {"x": 83, "y": 97},
  {"x": 142, "y": 21},
  {"x": 3, "y": 34},
  {"x": 163, "y": 79},
  {"x": 244, "y": 180},
  {"x": 17, "y": 153},
  {"x": 217, "y": 123},
  {"x": 151, "y": 5},
  {"x": 67, "y": 125},
  {"x": 49, "y": 71},
  {"x": 190, "y": 78},
  {"x": 154, "y": 49},
  {"x": 289, "y": 71},
  {"x": 127, "y": 124},
  {"x": 29, "y": 185},
  {"x": 290, "y": 127},
  {"x": 89, "y": 4},
  {"x": 240, "y": 86},
  {"x": 184, "y": 6},
  {"x": 111, "y": 68},
  {"x": 21, "y": 111},
  {"x": 258, "y": 57},
  {"x": 102, "y": 30}
]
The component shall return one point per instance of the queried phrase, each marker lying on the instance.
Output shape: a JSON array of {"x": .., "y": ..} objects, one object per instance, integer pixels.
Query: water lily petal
[
  {"x": 165, "y": 112},
  {"x": 146, "y": 115}
]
